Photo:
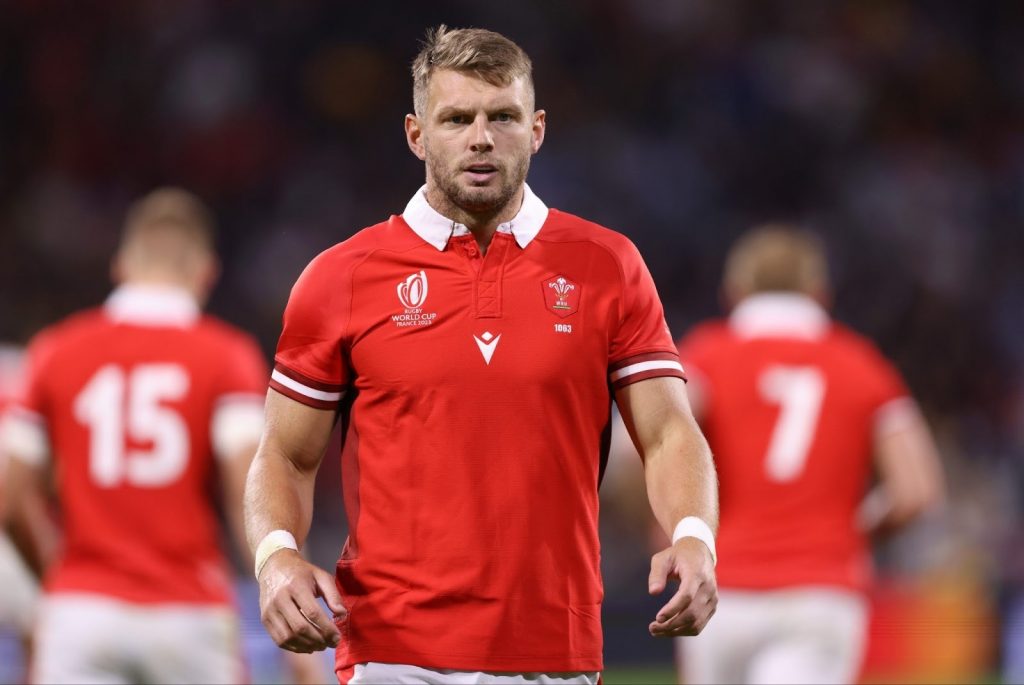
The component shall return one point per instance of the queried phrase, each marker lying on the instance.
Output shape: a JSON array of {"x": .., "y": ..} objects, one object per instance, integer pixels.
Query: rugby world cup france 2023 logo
[{"x": 412, "y": 293}]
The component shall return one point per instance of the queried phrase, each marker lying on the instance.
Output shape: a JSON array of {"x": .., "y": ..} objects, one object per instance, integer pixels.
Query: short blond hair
[
  {"x": 487, "y": 55},
  {"x": 776, "y": 258},
  {"x": 170, "y": 230},
  {"x": 173, "y": 210}
]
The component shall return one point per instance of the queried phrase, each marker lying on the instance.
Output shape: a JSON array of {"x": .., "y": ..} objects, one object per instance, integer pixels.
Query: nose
[{"x": 481, "y": 139}]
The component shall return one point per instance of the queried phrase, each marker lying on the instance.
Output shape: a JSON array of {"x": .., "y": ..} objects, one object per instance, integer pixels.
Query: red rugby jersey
[
  {"x": 790, "y": 401},
  {"x": 477, "y": 392},
  {"x": 132, "y": 399}
]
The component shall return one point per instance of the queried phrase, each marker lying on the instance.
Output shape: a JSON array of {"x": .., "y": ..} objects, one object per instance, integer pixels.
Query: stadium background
[{"x": 892, "y": 128}]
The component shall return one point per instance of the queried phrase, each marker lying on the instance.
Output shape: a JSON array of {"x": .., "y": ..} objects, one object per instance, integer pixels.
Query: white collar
[
  {"x": 436, "y": 229},
  {"x": 779, "y": 315},
  {"x": 152, "y": 305}
]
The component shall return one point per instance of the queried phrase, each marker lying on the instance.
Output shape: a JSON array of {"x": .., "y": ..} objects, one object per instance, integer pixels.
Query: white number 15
[{"x": 117, "y": 405}]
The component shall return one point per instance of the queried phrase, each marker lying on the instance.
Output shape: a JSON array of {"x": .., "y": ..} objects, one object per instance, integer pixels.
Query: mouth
[{"x": 480, "y": 173}]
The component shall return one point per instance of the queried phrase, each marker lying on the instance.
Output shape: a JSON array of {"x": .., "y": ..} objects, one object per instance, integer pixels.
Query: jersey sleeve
[
  {"x": 237, "y": 418},
  {"x": 641, "y": 347},
  {"x": 891, "y": 403},
  {"x": 310, "y": 365},
  {"x": 23, "y": 430}
]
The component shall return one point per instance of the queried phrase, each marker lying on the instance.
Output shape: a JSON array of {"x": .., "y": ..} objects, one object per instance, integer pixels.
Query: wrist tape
[
  {"x": 693, "y": 527},
  {"x": 274, "y": 541}
]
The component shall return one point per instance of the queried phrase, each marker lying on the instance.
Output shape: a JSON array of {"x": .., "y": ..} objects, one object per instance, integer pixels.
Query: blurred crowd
[{"x": 892, "y": 129}]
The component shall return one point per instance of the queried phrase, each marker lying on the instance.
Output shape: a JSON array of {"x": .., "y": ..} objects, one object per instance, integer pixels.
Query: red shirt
[
  {"x": 130, "y": 397},
  {"x": 477, "y": 392},
  {"x": 790, "y": 405}
]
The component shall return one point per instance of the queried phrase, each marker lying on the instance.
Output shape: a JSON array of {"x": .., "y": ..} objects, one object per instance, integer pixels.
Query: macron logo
[{"x": 487, "y": 345}]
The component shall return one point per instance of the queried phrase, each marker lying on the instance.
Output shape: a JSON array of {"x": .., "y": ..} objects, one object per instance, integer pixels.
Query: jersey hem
[
  {"x": 485, "y": 664},
  {"x": 147, "y": 600},
  {"x": 762, "y": 586}
]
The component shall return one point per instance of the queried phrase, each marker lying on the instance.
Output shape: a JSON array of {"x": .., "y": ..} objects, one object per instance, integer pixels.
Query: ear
[
  {"x": 414, "y": 136},
  {"x": 117, "y": 274},
  {"x": 211, "y": 272},
  {"x": 205, "y": 271},
  {"x": 727, "y": 298},
  {"x": 823, "y": 296},
  {"x": 539, "y": 127}
]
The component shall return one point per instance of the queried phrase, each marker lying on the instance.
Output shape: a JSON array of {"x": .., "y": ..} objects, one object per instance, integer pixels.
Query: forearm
[
  {"x": 278, "y": 496},
  {"x": 911, "y": 478},
  {"x": 28, "y": 520},
  {"x": 36, "y": 538},
  {"x": 680, "y": 476},
  {"x": 234, "y": 473}
]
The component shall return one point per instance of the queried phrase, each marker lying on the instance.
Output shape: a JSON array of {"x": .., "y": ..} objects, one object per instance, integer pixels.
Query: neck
[
  {"x": 482, "y": 224},
  {"x": 164, "y": 280}
]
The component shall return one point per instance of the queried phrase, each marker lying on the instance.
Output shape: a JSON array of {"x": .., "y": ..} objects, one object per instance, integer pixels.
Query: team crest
[{"x": 561, "y": 295}]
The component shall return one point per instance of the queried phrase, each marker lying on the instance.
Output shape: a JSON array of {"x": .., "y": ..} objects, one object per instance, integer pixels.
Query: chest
[{"x": 538, "y": 317}]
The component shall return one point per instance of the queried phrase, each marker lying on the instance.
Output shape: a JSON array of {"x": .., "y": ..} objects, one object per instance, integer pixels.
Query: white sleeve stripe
[
  {"x": 241, "y": 398},
  {"x": 25, "y": 439},
  {"x": 895, "y": 415},
  {"x": 234, "y": 427},
  {"x": 24, "y": 414},
  {"x": 646, "y": 366},
  {"x": 313, "y": 393}
]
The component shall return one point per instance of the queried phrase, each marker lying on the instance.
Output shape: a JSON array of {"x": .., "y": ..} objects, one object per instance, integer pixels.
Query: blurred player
[
  {"x": 19, "y": 591},
  {"x": 131, "y": 408},
  {"x": 798, "y": 411}
]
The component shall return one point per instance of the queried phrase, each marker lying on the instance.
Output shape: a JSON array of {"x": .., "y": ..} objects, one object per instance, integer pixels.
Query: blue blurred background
[{"x": 894, "y": 129}]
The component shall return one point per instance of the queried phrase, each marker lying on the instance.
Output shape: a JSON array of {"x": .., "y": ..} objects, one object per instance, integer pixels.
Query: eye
[
  {"x": 457, "y": 119},
  {"x": 504, "y": 117}
]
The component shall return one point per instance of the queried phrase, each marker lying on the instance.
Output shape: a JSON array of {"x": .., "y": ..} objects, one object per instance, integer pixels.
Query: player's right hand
[{"x": 289, "y": 587}]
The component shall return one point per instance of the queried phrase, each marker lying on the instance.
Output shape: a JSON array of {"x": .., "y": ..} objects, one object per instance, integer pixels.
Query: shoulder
[
  {"x": 336, "y": 263},
  {"x": 616, "y": 248},
  {"x": 705, "y": 333},
  {"x": 705, "y": 339},
  {"x": 226, "y": 334},
  {"x": 565, "y": 227},
  {"x": 68, "y": 331},
  {"x": 859, "y": 353},
  {"x": 61, "y": 343},
  {"x": 853, "y": 343}
]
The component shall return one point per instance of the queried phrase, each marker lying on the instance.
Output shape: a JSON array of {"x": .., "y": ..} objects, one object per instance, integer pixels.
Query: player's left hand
[{"x": 688, "y": 561}]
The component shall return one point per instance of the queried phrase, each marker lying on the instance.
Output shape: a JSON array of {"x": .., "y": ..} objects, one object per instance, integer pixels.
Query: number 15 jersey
[
  {"x": 790, "y": 405},
  {"x": 133, "y": 400}
]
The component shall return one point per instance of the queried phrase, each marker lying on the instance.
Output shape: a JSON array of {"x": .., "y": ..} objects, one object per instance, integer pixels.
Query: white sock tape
[
  {"x": 272, "y": 542},
  {"x": 693, "y": 527}
]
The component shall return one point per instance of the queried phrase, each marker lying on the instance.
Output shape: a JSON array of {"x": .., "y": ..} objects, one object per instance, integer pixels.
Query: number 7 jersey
[
  {"x": 131, "y": 402},
  {"x": 790, "y": 403}
]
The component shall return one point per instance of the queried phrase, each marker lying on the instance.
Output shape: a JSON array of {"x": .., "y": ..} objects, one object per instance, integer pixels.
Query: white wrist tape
[
  {"x": 274, "y": 541},
  {"x": 693, "y": 527}
]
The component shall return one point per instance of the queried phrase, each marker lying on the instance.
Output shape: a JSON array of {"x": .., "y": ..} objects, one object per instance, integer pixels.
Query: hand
[
  {"x": 289, "y": 586},
  {"x": 689, "y": 561}
]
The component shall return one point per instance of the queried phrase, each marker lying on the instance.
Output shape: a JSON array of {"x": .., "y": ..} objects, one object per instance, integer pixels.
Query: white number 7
[{"x": 798, "y": 390}]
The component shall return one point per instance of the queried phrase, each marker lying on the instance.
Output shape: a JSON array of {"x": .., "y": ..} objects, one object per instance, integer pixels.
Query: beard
[{"x": 477, "y": 200}]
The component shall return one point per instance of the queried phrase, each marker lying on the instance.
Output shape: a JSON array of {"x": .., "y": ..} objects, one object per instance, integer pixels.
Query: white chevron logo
[{"x": 487, "y": 345}]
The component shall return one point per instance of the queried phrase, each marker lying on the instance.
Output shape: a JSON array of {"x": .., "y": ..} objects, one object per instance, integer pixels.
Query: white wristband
[
  {"x": 693, "y": 527},
  {"x": 274, "y": 541}
]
